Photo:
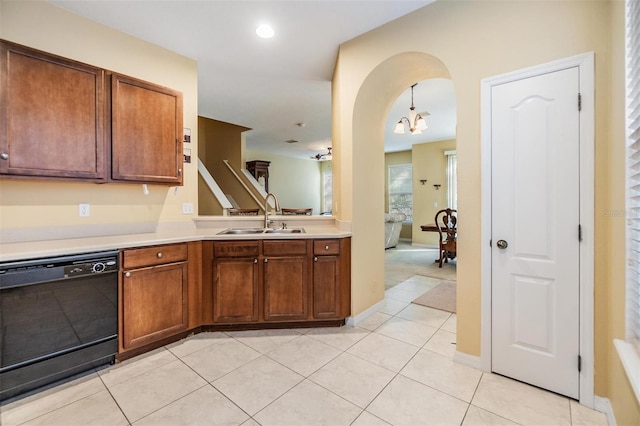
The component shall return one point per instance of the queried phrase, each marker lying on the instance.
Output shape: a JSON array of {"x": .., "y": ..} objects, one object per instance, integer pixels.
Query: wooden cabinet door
[
  {"x": 326, "y": 287},
  {"x": 155, "y": 303},
  {"x": 235, "y": 290},
  {"x": 52, "y": 115},
  {"x": 146, "y": 132},
  {"x": 285, "y": 288}
]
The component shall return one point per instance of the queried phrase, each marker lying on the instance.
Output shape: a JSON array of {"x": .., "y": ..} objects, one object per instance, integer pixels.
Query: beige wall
[
  {"x": 469, "y": 41},
  {"x": 38, "y": 204},
  {"x": 220, "y": 141},
  {"x": 430, "y": 163},
  {"x": 296, "y": 182}
]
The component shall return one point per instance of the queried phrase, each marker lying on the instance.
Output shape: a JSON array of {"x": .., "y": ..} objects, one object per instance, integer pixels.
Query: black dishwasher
[{"x": 58, "y": 317}]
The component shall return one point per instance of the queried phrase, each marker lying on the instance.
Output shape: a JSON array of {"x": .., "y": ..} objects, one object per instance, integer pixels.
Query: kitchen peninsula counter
[{"x": 199, "y": 229}]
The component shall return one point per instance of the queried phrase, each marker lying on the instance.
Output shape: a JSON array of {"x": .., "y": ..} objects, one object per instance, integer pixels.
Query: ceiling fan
[{"x": 326, "y": 156}]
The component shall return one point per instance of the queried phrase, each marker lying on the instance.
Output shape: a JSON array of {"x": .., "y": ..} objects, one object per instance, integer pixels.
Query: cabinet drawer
[
  {"x": 321, "y": 247},
  {"x": 276, "y": 248},
  {"x": 235, "y": 249},
  {"x": 157, "y": 255}
]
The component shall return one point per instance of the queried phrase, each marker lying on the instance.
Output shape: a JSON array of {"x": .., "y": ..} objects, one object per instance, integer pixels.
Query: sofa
[{"x": 392, "y": 228}]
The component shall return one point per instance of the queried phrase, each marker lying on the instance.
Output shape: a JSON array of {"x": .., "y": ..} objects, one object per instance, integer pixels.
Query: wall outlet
[
  {"x": 435, "y": 204},
  {"x": 187, "y": 208},
  {"x": 83, "y": 210}
]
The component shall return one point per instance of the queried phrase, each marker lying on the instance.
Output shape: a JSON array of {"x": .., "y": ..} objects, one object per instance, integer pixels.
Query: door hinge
[
  {"x": 579, "y": 363},
  {"x": 579, "y": 101},
  {"x": 579, "y": 232}
]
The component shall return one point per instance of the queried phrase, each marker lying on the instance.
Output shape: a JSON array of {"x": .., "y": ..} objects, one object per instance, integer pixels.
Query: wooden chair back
[
  {"x": 447, "y": 224},
  {"x": 300, "y": 212},
  {"x": 243, "y": 212}
]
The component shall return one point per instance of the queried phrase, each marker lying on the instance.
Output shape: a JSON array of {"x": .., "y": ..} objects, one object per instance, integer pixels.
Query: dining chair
[
  {"x": 301, "y": 212},
  {"x": 243, "y": 212},
  {"x": 447, "y": 224}
]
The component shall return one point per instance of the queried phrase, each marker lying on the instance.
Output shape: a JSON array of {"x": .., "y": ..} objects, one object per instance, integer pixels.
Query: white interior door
[{"x": 535, "y": 230}]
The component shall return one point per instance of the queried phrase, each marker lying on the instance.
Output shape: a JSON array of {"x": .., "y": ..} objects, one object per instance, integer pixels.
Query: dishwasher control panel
[{"x": 97, "y": 267}]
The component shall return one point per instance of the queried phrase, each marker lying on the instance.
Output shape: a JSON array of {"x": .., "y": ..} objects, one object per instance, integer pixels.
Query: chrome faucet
[{"x": 266, "y": 208}]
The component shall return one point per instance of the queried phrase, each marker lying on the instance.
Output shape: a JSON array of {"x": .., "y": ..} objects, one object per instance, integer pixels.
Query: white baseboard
[
  {"x": 604, "y": 406},
  {"x": 354, "y": 321},
  {"x": 468, "y": 360}
]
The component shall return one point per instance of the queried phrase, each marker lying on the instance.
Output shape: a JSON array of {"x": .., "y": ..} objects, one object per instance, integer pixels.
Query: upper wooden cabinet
[
  {"x": 146, "y": 132},
  {"x": 52, "y": 115},
  {"x": 61, "y": 119}
]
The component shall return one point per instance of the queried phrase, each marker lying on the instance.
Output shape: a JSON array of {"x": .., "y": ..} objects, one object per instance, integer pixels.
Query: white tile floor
[{"x": 396, "y": 369}]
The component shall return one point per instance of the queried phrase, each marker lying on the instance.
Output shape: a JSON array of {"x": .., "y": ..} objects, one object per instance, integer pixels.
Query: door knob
[{"x": 502, "y": 244}]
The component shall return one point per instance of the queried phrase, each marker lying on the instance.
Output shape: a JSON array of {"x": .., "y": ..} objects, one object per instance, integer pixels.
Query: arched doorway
[
  {"x": 363, "y": 144},
  {"x": 420, "y": 180}
]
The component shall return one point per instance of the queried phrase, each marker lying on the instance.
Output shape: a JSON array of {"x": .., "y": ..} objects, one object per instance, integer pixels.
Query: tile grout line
[{"x": 115, "y": 400}]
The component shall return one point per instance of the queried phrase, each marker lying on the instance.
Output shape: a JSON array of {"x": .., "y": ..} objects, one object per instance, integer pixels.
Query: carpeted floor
[{"x": 404, "y": 261}]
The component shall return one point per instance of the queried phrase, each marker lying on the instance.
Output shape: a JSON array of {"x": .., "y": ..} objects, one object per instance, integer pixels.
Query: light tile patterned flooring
[{"x": 396, "y": 368}]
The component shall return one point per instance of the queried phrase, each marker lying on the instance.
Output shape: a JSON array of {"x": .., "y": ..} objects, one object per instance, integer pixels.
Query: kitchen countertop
[{"x": 202, "y": 229}]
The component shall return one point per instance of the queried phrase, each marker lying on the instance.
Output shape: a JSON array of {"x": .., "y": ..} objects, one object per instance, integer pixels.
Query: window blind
[
  {"x": 452, "y": 179},
  {"x": 633, "y": 172},
  {"x": 400, "y": 186},
  {"x": 327, "y": 192}
]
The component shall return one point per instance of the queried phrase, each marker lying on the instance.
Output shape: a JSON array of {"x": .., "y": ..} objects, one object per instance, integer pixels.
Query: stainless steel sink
[
  {"x": 254, "y": 231},
  {"x": 285, "y": 231},
  {"x": 241, "y": 231}
]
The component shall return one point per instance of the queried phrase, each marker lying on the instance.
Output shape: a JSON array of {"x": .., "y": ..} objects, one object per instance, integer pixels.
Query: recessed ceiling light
[{"x": 265, "y": 31}]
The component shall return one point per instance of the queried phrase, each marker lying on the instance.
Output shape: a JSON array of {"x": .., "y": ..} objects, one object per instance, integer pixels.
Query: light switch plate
[{"x": 187, "y": 208}]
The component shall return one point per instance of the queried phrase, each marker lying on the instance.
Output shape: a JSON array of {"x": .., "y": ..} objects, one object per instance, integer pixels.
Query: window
[
  {"x": 452, "y": 179},
  {"x": 327, "y": 192},
  {"x": 400, "y": 187},
  {"x": 630, "y": 350}
]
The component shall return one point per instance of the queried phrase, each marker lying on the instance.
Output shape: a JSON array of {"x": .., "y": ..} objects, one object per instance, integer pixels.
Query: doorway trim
[{"x": 585, "y": 64}]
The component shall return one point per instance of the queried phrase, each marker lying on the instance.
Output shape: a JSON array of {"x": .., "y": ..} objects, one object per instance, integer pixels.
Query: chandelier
[{"x": 415, "y": 121}]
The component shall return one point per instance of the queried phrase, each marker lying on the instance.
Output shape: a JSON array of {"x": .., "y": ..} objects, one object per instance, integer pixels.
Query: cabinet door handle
[
  {"x": 4, "y": 156},
  {"x": 179, "y": 171},
  {"x": 159, "y": 254},
  {"x": 326, "y": 247},
  {"x": 255, "y": 260},
  {"x": 315, "y": 258},
  {"x": 266, "y": 260},
  {"x": 127, "y": 274}
]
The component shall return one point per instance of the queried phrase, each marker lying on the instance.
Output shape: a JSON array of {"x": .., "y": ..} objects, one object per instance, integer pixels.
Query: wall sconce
[
  {"x": 423, "y": 181},
  {"x": 437, "y": 186}
]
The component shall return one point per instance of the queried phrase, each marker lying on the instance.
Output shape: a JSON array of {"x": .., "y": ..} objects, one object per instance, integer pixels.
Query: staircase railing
[{"x": 213, "y": 186}]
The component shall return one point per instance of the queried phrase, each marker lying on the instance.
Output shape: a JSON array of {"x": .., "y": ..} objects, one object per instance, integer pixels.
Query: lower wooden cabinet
[
  {"x": 171, "y": 290},
  {"x": 271, "y": 281},
  {"x": 331, "y": 297},
  {"x": 234, "y": 282},
  {"x": 235, "y": 290},
  {"x": 154, "y": 294},
  {"x": 285, "y": 280}
]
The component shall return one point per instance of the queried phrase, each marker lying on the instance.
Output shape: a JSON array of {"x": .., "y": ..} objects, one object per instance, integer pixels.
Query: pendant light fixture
[{"x": 415, "y": 121}]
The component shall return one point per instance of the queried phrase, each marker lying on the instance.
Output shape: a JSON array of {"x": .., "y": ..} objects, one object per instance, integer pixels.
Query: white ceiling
[{"x": 269, "y": 85}]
